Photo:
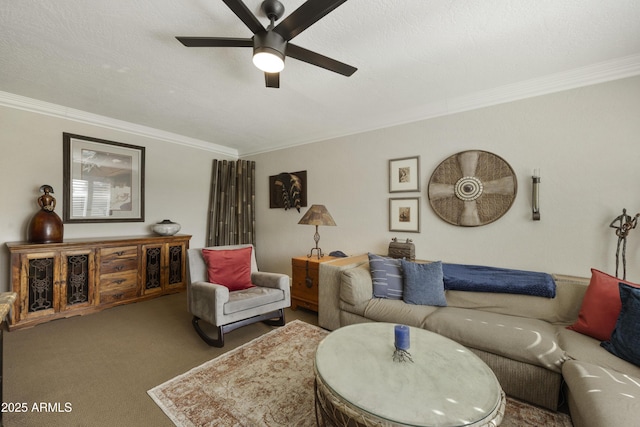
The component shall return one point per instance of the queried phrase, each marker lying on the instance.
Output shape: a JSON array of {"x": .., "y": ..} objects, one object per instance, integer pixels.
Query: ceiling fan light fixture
[
  {"x": 269, "y": 61},
  {"x": 268, "y": 51}
]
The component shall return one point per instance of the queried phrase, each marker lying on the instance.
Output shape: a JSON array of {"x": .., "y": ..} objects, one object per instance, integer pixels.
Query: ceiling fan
[{"x": 271, "y": 44}]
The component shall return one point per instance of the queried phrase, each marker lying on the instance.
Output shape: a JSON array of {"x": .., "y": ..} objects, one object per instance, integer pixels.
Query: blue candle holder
[{"x": 402, "y": 343}]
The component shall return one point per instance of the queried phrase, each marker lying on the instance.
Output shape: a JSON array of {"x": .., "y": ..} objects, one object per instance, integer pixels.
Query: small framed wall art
[
  {"x": 404, "y": 174},
  {"x": 103, "y": 180},
  {"x": 288, "y": 190},
  {"x": 404, "y": 214}
]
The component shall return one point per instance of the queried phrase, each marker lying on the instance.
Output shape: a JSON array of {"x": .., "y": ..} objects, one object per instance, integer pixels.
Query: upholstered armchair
[{"x": 222, "y": 306}]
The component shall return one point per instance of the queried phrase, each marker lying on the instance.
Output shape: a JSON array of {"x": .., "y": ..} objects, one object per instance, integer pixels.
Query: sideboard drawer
[
  {"x": 119, "y": 281},
  {"x": 114, "y": 260},
  {"x": 118, "y": 295}
]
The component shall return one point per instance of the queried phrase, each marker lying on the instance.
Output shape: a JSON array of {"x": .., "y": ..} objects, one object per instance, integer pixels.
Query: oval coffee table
[{"x": 359, "y": 384}]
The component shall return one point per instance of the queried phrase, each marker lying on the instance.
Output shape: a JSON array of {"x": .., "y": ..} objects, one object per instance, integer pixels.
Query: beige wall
[
  {"x": 177, "y": 180},
  {"x": 586, "y": 141}
]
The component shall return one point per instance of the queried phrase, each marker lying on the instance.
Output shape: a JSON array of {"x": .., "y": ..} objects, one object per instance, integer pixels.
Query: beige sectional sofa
[{"x": 523, "y": 338}]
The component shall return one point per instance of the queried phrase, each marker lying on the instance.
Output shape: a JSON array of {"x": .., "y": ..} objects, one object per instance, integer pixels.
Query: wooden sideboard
[{"x": 81, "y": 276}]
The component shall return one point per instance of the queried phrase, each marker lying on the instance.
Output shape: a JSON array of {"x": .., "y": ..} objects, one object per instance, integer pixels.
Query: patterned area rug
[{"x": 269, "y": 382}]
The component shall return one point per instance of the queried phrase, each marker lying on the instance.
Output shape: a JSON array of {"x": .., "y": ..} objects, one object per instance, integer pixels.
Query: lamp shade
[{"x": 317, "y": 215}]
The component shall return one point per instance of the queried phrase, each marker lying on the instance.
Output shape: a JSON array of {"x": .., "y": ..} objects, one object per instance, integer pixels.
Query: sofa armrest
[
  {"x": 357, "y": 285},
  {"x": 330, "y": 278}
]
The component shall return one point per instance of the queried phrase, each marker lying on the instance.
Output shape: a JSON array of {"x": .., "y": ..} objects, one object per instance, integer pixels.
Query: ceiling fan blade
[
  {"x": 313, "y": 58},
  {"x": 272, "y": 80},
  {"x": 245, "y": 15},
  {"x": 215, "y": 42},
  {"x": 305, "y": 16}
]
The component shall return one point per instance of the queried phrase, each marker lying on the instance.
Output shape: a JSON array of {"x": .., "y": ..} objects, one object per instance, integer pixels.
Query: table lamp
[{"x": 317, "y": 215}]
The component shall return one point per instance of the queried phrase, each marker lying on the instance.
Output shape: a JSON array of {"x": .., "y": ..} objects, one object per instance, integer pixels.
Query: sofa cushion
[
  {"x": 625, "y": 338},
  {"x": 582, "y": 347},
  {"x": 250, "y": 298},
  {"x": 481, "y": 278},
  {"x": 397, "y": 311},
  {"x": 423, "y": 283},
  {"x": 527, "y": 340},
  {"x": 386, "y": 274},
  {"x": 600, "y": 396},
  {"x": 230, "y": 268},
  {"x": 563, "y": 309},
  {"x": 600, "y": 307}
]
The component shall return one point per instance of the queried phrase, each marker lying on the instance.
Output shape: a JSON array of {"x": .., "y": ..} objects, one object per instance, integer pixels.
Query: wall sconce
[{"x": 535, "y": 194}]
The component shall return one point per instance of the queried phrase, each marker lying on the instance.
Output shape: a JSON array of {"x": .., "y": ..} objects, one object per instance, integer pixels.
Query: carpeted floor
[
  {"x": 103, "y": 364},
  {"x": 269, "y": 382}
]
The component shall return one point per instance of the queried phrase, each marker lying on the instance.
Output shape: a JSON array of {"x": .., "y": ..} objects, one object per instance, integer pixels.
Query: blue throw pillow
[
  {"x": 625, "y": 338},
  {"x": 423, "y": 283},
  {"x": 386, "y": 274}
]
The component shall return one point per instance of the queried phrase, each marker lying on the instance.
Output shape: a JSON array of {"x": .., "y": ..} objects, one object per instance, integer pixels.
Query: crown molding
[
  {"x": 602, "y": 72},
  {"x": 615, "y": 69},
  {"x": 41, "y": 107}
]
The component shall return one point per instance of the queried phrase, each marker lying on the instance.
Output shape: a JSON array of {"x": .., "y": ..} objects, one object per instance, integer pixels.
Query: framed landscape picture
[
  {"x": 404, "y": 174},
  {"x": 103, "y": 180},
  {"x": 404, "y": 214}
]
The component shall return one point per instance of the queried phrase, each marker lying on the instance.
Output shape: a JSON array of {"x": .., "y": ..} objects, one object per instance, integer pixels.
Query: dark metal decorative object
[
  {"x": 535, "y": 195},
  {"x": 406, "y": 250},
  {"x": 472, "y": 188},
  {"x": 77, "y": 279},
  {"x": 41, "y": 281},
  {"x": 175, "y": 264},
  {"x": 152, "y": 279},
  {"x": 623, "y": 224}
]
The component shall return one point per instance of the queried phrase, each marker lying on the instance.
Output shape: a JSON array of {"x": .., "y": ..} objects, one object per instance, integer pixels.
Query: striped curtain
[{"x": 232, "y": 217}]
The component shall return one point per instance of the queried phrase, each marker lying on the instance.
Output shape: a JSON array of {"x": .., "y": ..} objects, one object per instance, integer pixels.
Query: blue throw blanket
[{"x": 478, "y": 278}]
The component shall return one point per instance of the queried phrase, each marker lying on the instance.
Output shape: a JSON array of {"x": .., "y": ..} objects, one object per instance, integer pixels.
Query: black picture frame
[{"x": 103, "y": 180}]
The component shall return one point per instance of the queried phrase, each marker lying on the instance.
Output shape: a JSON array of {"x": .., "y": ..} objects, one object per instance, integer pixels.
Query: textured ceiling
[{"x": 415, "y": 59}]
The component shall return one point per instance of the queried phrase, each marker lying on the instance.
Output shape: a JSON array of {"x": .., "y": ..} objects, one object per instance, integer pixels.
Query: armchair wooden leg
[
  {"x": 277, "y": 322},
  {"x": 214, "y": 342},
  {"x": 274, "y": 318}
]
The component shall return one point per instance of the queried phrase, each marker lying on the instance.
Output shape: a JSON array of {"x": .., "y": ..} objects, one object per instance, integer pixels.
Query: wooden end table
[{"x": 304, "y": 289}]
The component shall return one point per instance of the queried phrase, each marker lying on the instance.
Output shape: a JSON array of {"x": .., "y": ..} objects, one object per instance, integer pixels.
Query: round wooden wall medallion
[{"x": 472, "y": 188}]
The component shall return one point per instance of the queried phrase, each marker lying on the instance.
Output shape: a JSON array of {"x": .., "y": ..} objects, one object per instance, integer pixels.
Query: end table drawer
[{"x": 305, "y": 287}]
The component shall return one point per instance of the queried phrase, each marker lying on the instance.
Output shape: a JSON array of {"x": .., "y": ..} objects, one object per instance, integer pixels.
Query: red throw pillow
[
  {"x": 230, "y": 268},
  {"x": 600, "y": 307}
]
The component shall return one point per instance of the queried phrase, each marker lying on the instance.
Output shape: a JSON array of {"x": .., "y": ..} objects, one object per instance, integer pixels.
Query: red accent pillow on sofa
[
  {"x": 229, "y": 267},
  {"x": 600, "y": 307}
]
